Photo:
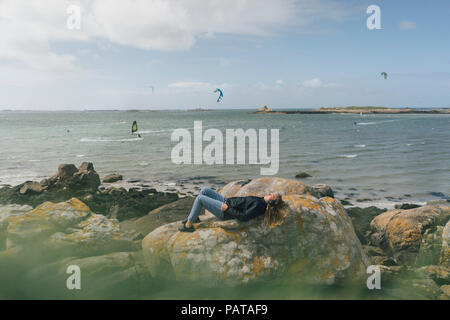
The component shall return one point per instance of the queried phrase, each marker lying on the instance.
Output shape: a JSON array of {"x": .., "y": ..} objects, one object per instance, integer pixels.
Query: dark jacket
[{"x": 245, "y": 208}]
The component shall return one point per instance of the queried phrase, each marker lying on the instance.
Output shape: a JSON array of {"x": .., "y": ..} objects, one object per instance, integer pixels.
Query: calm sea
[{"x": 373, "y": 159}]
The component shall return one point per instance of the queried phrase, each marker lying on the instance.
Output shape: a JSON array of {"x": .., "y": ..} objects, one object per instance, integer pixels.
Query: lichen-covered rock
[
  {"x": 279, "y": 185},
  {"x": 399, "y": 232},
  {"x": 314, "y": 242},
  {"x": 9, "y": 211},
  {"x": 65, "y": 229},
  {"x": 46, "y": 219},
  {"x": 41, "y": 243}
]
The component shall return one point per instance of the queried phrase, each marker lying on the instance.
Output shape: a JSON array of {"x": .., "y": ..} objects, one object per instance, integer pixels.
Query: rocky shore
[{"x": 127, "y": 243}]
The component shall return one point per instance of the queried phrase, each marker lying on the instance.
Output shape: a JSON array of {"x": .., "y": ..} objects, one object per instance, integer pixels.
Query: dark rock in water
[
  {"x": 351, "y": 194},
  {"x": 112, "y": 178},
  {"x": 439, "y": 195},
  {"x": 174, "y": 211},
  {"x": 406, "y": 206},
  {"x": 67, "y": 183},
  {"x": 302, "y": 175},
  {"x": 322, "y": 190},
  {"x": 83, "y": 183},
  {"x": 134, "y": 180},
  {"x": 361, "y": 218},
  {"x": 66, "y": 170},
  {"x": 346, "y": 203}
]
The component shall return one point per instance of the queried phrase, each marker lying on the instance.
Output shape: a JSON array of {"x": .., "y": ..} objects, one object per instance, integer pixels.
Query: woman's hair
[{"x": 275, "y": 212}]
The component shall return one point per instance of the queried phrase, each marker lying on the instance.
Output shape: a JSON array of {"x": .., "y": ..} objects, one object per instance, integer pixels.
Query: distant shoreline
[
  {"x": 322, "y": 110},
  {"x": 359, "y": 110}
]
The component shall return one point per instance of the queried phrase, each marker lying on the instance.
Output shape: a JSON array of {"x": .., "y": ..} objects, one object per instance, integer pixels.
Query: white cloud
[
  {"x": 313, "y": 83},
  {"x": 197, "y": 86},
  {"x": 280, "y": 83},
  {"x": 406, "y": 25},
  {"x": 29, "y": 28},
  {"x": 316, "y": 83}
]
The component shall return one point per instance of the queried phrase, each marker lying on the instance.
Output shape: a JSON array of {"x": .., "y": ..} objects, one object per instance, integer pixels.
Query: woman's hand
[{"x": 224, "y": 207}]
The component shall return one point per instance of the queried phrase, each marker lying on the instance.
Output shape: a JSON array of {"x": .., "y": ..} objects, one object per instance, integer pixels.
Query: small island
[
  {"x": 358, "y": 110},
  {"x": 266, "y": 109}
]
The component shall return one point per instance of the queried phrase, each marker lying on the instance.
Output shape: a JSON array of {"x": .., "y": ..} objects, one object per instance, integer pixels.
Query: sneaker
[
  {"x": 183, "y": 228},
  {"x": 196, "y": 221}
]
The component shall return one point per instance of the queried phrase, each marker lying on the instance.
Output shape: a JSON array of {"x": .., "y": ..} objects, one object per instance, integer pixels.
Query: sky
[{"x": 173, "y": 54}]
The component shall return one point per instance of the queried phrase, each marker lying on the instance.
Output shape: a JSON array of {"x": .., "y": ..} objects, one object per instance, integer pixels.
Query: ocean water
[{"x": 369, "y": 159}]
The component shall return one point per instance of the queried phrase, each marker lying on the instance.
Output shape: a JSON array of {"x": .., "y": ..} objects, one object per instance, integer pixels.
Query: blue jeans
[{"x": 211, "y": 201}]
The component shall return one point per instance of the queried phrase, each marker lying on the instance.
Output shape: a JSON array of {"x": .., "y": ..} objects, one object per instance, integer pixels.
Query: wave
[
  {"x": 383, "y": 204},
  {"x": 359, "y": 145},
  {"x": 349, "y": 156},
  {"x": 373, "y": 122},
  {"x": 110, "y": 140}
]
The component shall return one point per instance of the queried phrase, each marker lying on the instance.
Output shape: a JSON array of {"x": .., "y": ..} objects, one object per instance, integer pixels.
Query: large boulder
[
  {"x": 313, "y": 242},
  {"x": 39, "y": 244},
  {"x": 399, "y": 232},
  {"x": 52, "y": 231}
]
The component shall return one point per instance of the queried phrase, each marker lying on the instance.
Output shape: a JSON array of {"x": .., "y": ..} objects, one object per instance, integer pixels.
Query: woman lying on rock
[{"x": 240, "y": 208}]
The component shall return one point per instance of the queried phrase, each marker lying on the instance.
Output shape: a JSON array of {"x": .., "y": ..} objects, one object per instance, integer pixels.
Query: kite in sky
[{"x": 220, "y": 94}]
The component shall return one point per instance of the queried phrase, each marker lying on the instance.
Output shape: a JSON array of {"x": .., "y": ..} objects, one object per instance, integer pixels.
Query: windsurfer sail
[{"x": 134, "y": 127}]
